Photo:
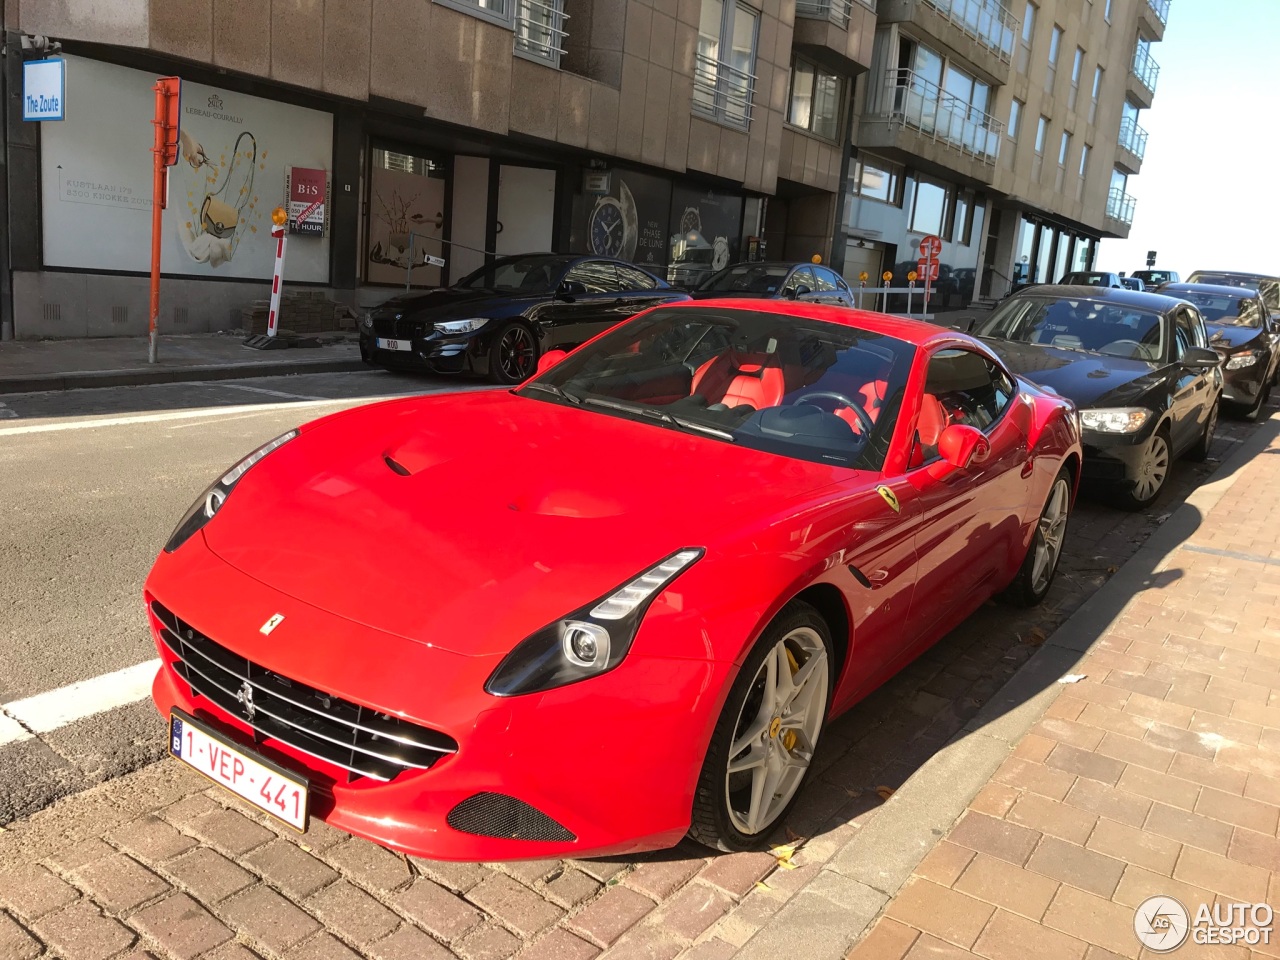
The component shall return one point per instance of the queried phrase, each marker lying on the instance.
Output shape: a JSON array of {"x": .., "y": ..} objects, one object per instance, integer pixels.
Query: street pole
[
  {"x": 278, "y": 221},
  {"x": 164, "y": 155}
]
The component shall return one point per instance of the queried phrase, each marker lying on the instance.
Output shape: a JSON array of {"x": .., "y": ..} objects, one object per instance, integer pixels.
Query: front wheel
[
  {"x": 1041, "y": 563},
  {"x": 513, "y": 356},
  {"x": 1153, "y": 471},
  {"x": 763, "y": 744}
]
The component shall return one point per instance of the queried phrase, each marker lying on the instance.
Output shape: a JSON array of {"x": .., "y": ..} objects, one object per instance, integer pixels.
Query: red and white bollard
[{"x": 277, "y": 280}]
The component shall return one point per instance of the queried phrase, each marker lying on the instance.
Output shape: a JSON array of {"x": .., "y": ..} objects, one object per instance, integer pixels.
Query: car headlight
[
  {"x": 589, "y": 641},
  {"x": 209, "y": 502},
  {"x": 1242, "y": 360},
  {"x": 1115, "y": 419},
  {"x": 461, "y": 326},
  {"x": 366, "y": 321}
]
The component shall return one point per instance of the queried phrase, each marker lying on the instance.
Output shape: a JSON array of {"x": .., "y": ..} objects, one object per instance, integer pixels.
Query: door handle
[{"x": 1028, "y": 468}]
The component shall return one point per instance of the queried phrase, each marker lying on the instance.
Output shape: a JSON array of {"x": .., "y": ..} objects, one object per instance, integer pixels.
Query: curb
[
  {"x": 80, "y": 379},
  {"x": 833, "y": 911}
]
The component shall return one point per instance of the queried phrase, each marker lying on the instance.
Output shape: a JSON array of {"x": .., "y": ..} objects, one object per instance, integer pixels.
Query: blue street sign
[{"x": 44, "y": 90}]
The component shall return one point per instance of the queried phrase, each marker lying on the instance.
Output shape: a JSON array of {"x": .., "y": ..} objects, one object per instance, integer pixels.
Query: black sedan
[
  {"x": 498, "y": 320},
  {"x": 766, "y": 280},
  {"x": 1243, "y": 333},
  {"x": 1138, "y": 367}
]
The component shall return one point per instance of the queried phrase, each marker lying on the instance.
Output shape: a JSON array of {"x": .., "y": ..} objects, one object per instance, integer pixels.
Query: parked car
[
  {"x": 810, "y": 282},
  {"x": 1153, "y": 278},
  {"x": 1092, "y": 278},
  {"x": 1243, "y": 333},
  {"x": 485, "y": 625},
  {"x": 1133, "y": 283},
  {"x": 499, "y": 319},
  {"x": 1268, "y": 287},
  {"x": 1138, "y": 365}
]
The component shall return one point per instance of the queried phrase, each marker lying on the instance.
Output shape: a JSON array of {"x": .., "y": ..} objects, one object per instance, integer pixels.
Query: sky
[{"x": 1208, "y": 194}]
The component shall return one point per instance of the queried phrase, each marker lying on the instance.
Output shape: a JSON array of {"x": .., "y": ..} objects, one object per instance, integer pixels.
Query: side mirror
[
  {"x": 550, "y": 359},
  {"x": 1200, "y": 358},
  {"x": 802, "y": 291},
  {"x": 569, "y": 289},
  {"x": 789, "y": 293},
  {"x": 960, "y": 446}
]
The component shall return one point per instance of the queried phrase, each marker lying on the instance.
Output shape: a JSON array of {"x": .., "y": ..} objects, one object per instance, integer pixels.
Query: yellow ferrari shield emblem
[{"x": 890, "y": 498}]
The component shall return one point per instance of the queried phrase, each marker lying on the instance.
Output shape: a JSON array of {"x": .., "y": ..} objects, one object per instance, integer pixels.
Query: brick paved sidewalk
[{"x": 1158, "y": 774}]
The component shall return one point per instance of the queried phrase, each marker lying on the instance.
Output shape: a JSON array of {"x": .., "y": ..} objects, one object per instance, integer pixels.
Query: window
[
  {"x": 1055, "y": 45},
  {"x": 928, "y": 208},
  {"x": 824, "y": 280},
  {"x": 1064, "y": 148},
  {"x": 723, "y": 79},
  {"x": 1042, "y": 131},
  {"x": 1015, "y": 118},
  {"x": 598, "y": 276},
  {"x": 1184, "y": 332},
  {"x": 1029, "y": 23},
  {"x": 538, "y": 25},
  {"x": 1097, "y": 81},
  {"x": 633, "y": 279},
  {"x": 877, "y": 179},
  {"x": 1106, "y": 13},
  {"x": 970, "y": 388},
  {"x": 1076, "y": 67},
  {"x": 802, "y": 277},
  {"x": 1084, "y": 159},
  {"x": 498, "y": 10},
  {"x": 961, "y": 226},
  {"x": 815, "y": 100}
]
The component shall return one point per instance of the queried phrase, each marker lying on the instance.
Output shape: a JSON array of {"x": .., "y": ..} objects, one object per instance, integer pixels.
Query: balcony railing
[
  {"x": 1145, "y": 68},
  {"x": 1120, "y": 206},
  {"x": 722, "y": 90},
  {"x": 1132, "y": 137},
  {"x": 837, "y": 11},
  {"x": 986, "y": 21},
  {"x": 1161, "y": 7},
  {"x": 539, "y": 29},
  {"x": 910, "y": 99}
]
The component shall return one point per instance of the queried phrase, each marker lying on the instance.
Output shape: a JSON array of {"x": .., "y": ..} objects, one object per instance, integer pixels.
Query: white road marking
[
  {"x": 11, "y": 730},
  {"x": 271, "y": 393},
  {"x": 48, "y": 711}
]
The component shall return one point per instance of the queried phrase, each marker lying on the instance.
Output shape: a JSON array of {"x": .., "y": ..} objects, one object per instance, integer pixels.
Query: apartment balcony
[
  {"x": 836, "y": 33},
  {"x": 1119, "y": 212},
  {"x": 913, "y": 121},
  {"x": 722, "y": 91},
  {"x": 1152, "y": 17},
  {"x": 1143, "y": 75},
  {"x": 1131, "y": 146},
  {"x": 982, "y": 33}
]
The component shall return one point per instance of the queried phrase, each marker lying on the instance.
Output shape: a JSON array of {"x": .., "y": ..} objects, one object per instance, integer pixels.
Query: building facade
[{"x": 680, "y": 134}]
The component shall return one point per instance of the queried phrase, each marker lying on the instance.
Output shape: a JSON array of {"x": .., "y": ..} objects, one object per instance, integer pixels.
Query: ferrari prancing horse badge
[{"x": 890, "y": 497}]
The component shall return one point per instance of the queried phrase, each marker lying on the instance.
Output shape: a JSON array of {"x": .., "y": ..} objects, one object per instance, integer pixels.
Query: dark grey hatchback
[{"x": 1138, "y": 367}]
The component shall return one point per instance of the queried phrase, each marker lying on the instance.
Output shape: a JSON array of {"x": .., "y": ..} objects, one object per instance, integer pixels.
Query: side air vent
[{"x": 497, "y": 815}]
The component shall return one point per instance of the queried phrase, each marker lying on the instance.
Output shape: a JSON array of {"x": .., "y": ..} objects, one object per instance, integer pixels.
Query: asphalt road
[{"x": 92, "y": 482}]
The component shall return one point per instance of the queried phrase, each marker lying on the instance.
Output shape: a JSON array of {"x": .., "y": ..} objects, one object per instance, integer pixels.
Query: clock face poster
[
  {"x": 629, "y": 222},
  {"x": 705, "y": 229}
]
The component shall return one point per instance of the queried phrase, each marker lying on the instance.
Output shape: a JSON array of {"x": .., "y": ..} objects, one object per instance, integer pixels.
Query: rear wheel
[
  {"x": 1153, "y": 471},
  {"x": 1200, "y": 452},
  {"x": 763, "y": 744},
  {"x": 1041, "y": 563}
]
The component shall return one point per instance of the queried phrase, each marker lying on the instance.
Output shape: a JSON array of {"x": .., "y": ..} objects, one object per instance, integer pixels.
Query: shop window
[
  {"x": 876, "y": 179},
  {"x": 815, "y": 100},
  {"x": 928, "y": 207},
  {"x": 724, "y": 70},
  {"x": 406, "y": 207},
  {"x": 960, "y": 228}
]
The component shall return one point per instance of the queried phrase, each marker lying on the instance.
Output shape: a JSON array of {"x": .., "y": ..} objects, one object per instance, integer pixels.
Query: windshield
[
  {"x": 1224, "y": 308},
  {"x": 534, "y": 274},
  {"x": 1152, "y": 278},
  {"x": 1087, "y": 279},
  {"x": 1078, "y": 324},
  {"x": 762, "y": 278},
  {"x": 799, "y": 388}
]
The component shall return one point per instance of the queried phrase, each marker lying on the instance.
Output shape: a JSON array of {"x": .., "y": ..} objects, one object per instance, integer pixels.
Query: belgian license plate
[
  {"x": 264, "y": 784},
  {"x": 385, "y": 344}
]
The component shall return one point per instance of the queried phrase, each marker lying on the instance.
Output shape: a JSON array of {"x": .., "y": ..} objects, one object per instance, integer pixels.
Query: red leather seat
[
  {"x": 736, "y": 379},
  {"x": 932, "y": 421},
  {"x": 872, "y": 401}
]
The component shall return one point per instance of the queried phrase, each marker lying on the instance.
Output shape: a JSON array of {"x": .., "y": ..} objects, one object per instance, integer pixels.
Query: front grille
[
  {"x": 389, "y": 326},
  {"x": 497, "y": 815},
  {"x": 359, "y": 739}
]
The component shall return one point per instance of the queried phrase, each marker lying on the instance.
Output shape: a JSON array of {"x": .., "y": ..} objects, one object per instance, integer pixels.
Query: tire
[
  {"x": 513, "y": 354},
  {"x": 723, "y": 817},
  {"x": 1264, "y": 395},
  {"x": 1033, "y": 580},
  {"x": 1157, "y": 461},
  {"x": 1200, "y": 452}
]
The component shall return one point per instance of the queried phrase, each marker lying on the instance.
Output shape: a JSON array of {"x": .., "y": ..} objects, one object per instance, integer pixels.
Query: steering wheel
[
  {"x": 864, "y": 419},
  {"x": 1137, "y": 350}
]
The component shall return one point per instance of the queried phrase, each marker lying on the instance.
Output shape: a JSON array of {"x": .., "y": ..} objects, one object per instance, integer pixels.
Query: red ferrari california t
[{"x": 615, "y": 605}]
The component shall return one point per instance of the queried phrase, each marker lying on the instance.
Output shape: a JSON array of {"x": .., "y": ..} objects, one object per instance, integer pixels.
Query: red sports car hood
[{"x": 468, "y": 521}]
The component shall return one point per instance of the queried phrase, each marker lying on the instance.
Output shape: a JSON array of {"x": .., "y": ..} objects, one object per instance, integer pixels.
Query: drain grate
[
  {"x": 119, "y": 314},
  {"x": 52, "y": 311}
]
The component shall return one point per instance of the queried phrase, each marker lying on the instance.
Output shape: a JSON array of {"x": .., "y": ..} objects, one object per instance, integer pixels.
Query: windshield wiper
[
  {"x": 551, "y": 388},
  {"x": 662, "y": 417}
]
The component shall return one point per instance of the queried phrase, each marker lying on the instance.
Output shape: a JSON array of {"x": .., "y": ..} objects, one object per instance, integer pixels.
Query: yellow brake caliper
[{"x": 789, "y": 738}]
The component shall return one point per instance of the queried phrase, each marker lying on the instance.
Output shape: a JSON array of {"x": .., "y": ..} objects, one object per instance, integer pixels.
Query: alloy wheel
[
  {"x": 1154, "y": 469},
  {"x": 1053, "y": 527},
  {"x": 516, "y": 353},
  {"x": 777, "y": 731}
]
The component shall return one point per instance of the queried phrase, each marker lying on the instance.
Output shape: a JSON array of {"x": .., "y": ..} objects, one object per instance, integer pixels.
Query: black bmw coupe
[
  {"x": 498, "y": 320},
  {"x": 1137, "y": 365}
]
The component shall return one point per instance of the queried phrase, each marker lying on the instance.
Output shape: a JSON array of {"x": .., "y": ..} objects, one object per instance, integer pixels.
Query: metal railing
[
  {"x": 1132, "y": 137},
  {"x": 1161, "y": 7},
  {"x": 539, "y": 29},
  {"x": 987, "y": 21},
  {"x": 910, "y": 99},
  {"x": 722, "y": 90},
  {"x": 837, "y": 11},
  {"x": 1120, "y": 205},
  {"x": 1145, "y": 68}
]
